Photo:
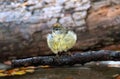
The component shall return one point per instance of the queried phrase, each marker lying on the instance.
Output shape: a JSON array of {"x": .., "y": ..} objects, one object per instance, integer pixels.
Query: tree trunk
[{"x": 25, "y": 25}]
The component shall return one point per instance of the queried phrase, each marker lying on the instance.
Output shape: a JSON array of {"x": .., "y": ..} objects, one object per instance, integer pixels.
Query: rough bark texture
[
  {"x": 77, "y": 58},
  {"x": 23, "y": 31}
]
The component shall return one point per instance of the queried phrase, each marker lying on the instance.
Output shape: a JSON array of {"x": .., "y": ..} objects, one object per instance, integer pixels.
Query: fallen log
[
  {"x": 23, "y": 33},
  {"x": 76, "y": 58}
]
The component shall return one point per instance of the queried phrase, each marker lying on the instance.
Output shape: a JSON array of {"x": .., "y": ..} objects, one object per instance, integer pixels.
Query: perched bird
[{"x": 61, "y": 39}]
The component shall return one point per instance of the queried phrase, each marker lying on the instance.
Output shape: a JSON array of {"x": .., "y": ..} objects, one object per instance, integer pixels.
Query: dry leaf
[
  {"x": 2, "y": 71},
  {"x": 30, "y": 70},
  {"x": 31, "y": 67},
  {"x": 19, "y": 73},
  {"x": 46, "y": 66},
  {"x": 3, "y": 74}
]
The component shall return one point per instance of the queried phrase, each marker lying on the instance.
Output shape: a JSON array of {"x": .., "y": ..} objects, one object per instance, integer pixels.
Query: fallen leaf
[
  {"x": 30, "y": 70},
  {"x": 46, "y": 66},
  {"x": 18, "y": 73},
  {"x": 2, "y": 71},
  {"x": 3, "y": 74},
  {"x": 31, "y": 67}
]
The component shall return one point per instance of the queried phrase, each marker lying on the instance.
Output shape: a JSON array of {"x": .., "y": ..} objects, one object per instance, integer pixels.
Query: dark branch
[{"x": 77, "y": 58}]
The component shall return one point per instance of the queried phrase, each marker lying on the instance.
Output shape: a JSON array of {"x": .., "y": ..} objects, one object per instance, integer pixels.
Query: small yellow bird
[{"x": 61, "y": 39}]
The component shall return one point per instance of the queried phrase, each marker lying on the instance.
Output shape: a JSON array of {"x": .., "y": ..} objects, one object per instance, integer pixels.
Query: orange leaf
[
  {"x": 2, "y": 71},
  {"x": 18, "y": 73}
]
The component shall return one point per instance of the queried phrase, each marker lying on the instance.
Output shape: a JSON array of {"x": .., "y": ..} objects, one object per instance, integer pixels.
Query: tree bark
[
  {"x": 77, "y": 58},
  {"x": 22, "y": 37}
]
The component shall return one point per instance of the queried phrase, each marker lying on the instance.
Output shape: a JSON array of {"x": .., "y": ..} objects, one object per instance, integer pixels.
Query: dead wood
[{"x": 77, "y": 58}]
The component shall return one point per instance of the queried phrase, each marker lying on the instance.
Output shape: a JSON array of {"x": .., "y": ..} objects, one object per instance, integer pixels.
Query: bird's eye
[{"x": 56, "y": 28}]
